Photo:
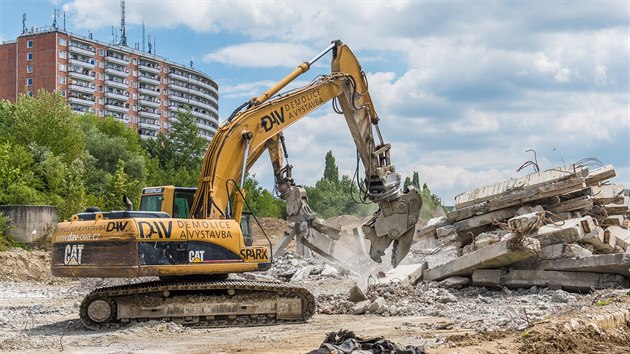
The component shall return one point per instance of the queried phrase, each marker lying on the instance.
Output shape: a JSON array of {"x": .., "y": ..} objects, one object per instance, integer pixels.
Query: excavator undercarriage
[{"x": 223, "y": 303}]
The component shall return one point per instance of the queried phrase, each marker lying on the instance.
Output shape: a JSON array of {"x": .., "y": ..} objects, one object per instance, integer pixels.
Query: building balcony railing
[
  {"x": 118, "y": 109},
  {"x": 149, "y": 92},
  {"x": 82, "y": 63},
  {"x": 151, "y": 126},
  {"x": 115, "y": 72},
  {"x": 148, "y": 69},
  {"x": 148, "y": 114},
  {"x": 117, "y": 96},
  {"x": 115, "y": 60},
  {"x": 117, "y": 84},
  {"x": 149, "y": 80},
  {"x": 194, "y": 113},
  {"x": 81, "y": 88},
  {"x": 80, "y": 76},
  {"x": 193, "y": 79},
  {"x": 192, "y": 91},
  {"x": 192, "y": 103},
  {"x": 83, "y": 51},
  {"x": 149, "y": 103},
  {"x": 81, "y": 101}
]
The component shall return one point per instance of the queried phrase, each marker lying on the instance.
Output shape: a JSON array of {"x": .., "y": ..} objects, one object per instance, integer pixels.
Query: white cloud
[
  {"x": 476, "y": 122},
  {"x": 261, "y": 54}
]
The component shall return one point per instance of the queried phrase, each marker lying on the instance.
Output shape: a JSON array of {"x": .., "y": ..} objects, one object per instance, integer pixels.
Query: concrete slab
[
  {"x": 599, "y": 240},
  {"x": 570, "y": 281},
  {"x": 529, "y": 181},
  {"x": 601, "y": 174},
  {"x": 608, "y": 194},
  {"x": 500, "y": 254},
  {"x": 600, "y": 263},
  {"x": 579, "y": 203},
  {"x": 563, "y": 250},
  {"x": 568, "y": 231},
  {"x": 525, "y": 222},
  {"x": 405, "y": 274},
  {"x": 621, "y": 235},
  {"x": 613, "y": 220}
]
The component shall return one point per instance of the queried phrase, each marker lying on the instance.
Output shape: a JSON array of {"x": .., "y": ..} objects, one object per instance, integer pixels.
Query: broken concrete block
[
  {"x": 608, "y": 194},
  {"x": 528, "y": 210},
  {"x": 570, "y": 281},
  {"x": 599, "y": 263},
  {"x": 356, "y": 294},
  {"x": 567, "y": 231},
  {"x": 621, "y": 235},
  {"x": 406, "y": 274},
  {"x": 445, "y": 231},
  {"x": 498, "y": 255},
  {"x": 598, "y": 239},
  {"x": 563, "y": 250},
  {"x": 484, "y": 219},
  {"x": 526, "y": 222},
  {"x": 613, "y": 220},
  {"x": 601, "y": 174},
  {"x": 361, "y": 307},
  {"x": 455, "y": 282},
  {"x": 378, "y": 306},
  {"x": 579, "y": 203},
  {"x": 486, "y": 239}
]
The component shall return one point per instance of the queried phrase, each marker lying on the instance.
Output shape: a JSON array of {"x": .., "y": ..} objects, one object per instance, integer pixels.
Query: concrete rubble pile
[{"x": 564, "y": 228}]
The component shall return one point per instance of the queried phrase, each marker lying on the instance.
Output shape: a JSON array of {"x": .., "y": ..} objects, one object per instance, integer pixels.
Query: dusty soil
[{"x": 39, "y": 313}]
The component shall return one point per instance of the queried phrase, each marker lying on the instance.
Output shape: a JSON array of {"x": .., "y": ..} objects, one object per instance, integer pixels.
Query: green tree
[
  {"x": 331, "y": 172},
  {"x": 120, "y": 184},
  {"x": 46, "y": 120},
  {"x": 262, "y": 202}
]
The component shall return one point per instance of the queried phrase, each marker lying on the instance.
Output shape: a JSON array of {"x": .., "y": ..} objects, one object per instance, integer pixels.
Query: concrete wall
[{"x": 29, "y": 222}]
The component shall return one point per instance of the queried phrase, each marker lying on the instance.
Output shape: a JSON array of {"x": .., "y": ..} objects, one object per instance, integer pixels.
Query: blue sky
[{"x": 462, "y": 88}]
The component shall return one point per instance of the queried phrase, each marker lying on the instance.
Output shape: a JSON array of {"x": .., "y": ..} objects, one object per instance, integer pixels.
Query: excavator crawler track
[{"x": 227, "y": 303}]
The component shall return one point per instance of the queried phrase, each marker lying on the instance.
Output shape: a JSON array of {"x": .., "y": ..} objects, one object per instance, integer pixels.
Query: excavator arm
[{"x": 240, "y": 141}]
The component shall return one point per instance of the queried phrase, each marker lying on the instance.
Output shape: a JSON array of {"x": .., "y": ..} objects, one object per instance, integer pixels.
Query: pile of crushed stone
[{"x": 17, "y": 264}]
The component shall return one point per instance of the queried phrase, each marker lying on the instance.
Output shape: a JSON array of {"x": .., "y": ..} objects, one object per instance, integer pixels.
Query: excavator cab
[{"x": 176, "y": 201}]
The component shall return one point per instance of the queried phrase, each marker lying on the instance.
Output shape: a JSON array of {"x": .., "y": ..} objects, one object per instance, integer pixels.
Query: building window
[
  {"x": 100, "y": 88},
  {"x": 29, "y": 69},
  {"x": 63, "y": 93},
  {"x": 101, "y": 100},
  {"x": 101, "y": 113},
  {"x": 101, "y": 64},
  {"x": 134, "y": 96},
  {"x": 100, "y": 76},
  {"x": 135, "y": 84},
  {"x": 29, "y": 81},
  {"x": 92, "y": 110},
  {"x": 62, "y": 54},
  {"x": 29, "y": 56},
  {"x": 134, "y": 61},
  {"x": 62, "y": 80},
  {"x": 135, "y": 108},
  {"x": 135, "y": 73},
  {"x": 29, "y": 44},
  {"x": 62, "y": 41},
  {"x": 62, "y": 67},
  {"x": 101, "y": 52}
]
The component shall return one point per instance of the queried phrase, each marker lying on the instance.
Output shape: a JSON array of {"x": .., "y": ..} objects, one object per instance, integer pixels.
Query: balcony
[
  {"x": 148, "y": 114},
  {"x": 145, "y": 134},
  {"x": 149, "y": 69},
  {"x": 116, "y": 84},
  {"x": 202, "y": 95},
  {"x": 149, "y": 80},
  {"x": 149, "y": 103},
  {"x": 82, "y": 89},
  {"x": 83, "y": 51},
  {"x": 150, "y": 126},
  {"x": 177, "y": 76},
  {"x": 80, "y": 101},
  {"x": 81, "y": 63},
  {"x": 116, "y": 72},
  {"x": 194, "y": 113},
  {"x": 149, "y": 92},
  {"x": 117, "y": 96},
  {"x": 80, "y": 76},
  {"x": 119, "y": 61},
  {"x": 118, "y": 109}
]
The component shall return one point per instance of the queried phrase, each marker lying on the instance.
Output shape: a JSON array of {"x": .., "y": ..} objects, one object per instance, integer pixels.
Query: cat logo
[
  {"x": 195, "y": 256},
  {"x": 72, "y": 255}
]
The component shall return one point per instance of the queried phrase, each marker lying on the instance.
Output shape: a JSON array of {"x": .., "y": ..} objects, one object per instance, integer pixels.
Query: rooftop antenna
[
  {"x": 143, "y": 38},
  {"x": 154, "y": 45},
  {"x": 24, "y": 29},
  {"x": 191, "y": 64},
  {"x": 55, "y": 15},
  {"x": 150, "y": 43},
  {"x": 64, "y": 21},
  {"x": 123, "y": 35}
]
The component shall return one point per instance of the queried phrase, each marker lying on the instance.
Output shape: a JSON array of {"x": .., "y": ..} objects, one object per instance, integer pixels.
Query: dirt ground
[{"x": 39, "y": 314}]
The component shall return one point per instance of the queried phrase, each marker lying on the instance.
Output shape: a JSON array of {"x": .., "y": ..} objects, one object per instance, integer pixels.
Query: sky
[{"x": 463, "y": 89}]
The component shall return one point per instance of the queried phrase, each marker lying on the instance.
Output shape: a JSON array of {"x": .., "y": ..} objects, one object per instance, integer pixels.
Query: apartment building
[{"x": 141, "y": 89}]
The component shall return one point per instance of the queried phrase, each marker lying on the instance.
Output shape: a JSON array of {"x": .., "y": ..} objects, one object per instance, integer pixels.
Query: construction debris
[
  {"x": 565, "y": 228},
  {"x": 346, "y": 342}
]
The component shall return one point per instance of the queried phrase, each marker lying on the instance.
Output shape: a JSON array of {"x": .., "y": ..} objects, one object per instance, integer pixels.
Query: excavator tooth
[
  {"x": 401, "y": 246},
  {"x": 378, "y": 245}
]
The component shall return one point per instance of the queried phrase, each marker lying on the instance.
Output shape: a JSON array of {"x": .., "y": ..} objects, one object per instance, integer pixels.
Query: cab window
[
  {"x": 151, "y": 202},
  {"x": 181, "y": 204}
]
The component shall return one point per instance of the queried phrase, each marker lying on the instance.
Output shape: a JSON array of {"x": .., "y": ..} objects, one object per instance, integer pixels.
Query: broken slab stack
[{"x": 564, "y": 228}]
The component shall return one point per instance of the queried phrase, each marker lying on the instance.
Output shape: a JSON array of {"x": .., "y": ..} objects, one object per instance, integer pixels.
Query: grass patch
[{"x": 602, "y": 303}]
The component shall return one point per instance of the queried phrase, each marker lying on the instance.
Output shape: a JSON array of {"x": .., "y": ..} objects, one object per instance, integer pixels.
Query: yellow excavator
[{"x": 192, "y": 238}]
